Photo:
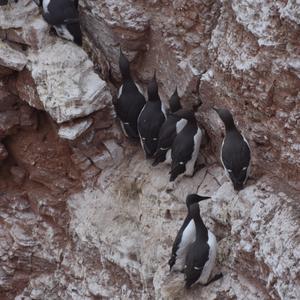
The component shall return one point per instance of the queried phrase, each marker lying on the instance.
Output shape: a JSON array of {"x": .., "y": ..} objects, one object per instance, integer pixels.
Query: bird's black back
[
  {"x": 236, "y": 154},
  {"x": 149, "y": 124},
  {"x": 130, "y": 103},
  {"x": 151, "y": 119},
  {"x": 167, "y": 132},
  {"x": 183, "y": 146},
  {"x": 61, "y": 12}
]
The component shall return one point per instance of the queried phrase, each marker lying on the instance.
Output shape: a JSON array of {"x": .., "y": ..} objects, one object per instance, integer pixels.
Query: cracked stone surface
[{"x": 83, "y": 215}]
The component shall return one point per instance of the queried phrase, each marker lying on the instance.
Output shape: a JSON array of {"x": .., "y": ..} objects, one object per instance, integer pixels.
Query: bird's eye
[{"x": 229, "y": 170}]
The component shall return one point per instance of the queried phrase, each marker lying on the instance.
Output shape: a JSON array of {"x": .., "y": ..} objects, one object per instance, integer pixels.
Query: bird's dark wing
[
  {"x": 196, "y": 258},
  {"x": 150, "y": 120},
  {"x": 183, "y": 145},
  {"x": 167, "y": 132},
  {"x": 179, "y": 234},
  {"x": 235, "y": 153},
  {"x": 130, "y": 103},
  {"x": 76, "y": 4}
]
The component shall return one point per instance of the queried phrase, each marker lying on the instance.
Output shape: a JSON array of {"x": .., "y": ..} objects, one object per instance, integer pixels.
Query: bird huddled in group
[
  {"x": 64, "y": 17},
  {"x": 185, "y": 148},
  {"x": 130, "y": 100},
  {"x": 151, "y": 119},
  {"x": 167, "y": 133},
  {"x": 173, "y": 136}
]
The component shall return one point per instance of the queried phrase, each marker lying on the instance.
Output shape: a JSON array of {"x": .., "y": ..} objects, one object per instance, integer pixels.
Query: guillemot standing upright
[
  {"x": 201, "y": 255},
  {"x": 235, "y": 151},
  {"x": 185, "y": 148},
  {"x": 130, "y": 100},
  {"x": 185, "y": 236},
  {"x": 151, "y": 119},
  {"x": 167, "y": 133}
]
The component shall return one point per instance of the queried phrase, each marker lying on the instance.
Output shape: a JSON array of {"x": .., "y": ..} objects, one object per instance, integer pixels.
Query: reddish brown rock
[{"x": 26, "y": 89}]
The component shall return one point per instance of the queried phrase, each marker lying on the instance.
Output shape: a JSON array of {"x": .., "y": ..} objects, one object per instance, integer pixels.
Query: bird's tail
[
  {"x": 159, "y": 156},
  {"x": 131, "y": 132},
  {"x": 176, "y": 170},
  {"x": 215, "y": 278}
]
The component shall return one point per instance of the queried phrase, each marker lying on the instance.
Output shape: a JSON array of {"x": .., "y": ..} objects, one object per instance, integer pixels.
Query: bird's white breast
[
  {"x": 190, "y": 165},
  {"x": 187, "y": 238},
  {"x": 139, "y": 88},
  {"x": 180, "y": 125},
  {"x": 163, "y": 109},
  {"x": 63, "y": 32},
  {"x": 120, "y": 91},
  {"x": 45, "y": 6}
]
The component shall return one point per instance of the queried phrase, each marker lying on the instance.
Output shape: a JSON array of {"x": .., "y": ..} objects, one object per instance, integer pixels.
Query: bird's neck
[
  {"x": 154, "y": 97},
  {"x": 126, "y": 76},
  {"x": 201, "y": 230},
  {"x": 229, "y": 126}
]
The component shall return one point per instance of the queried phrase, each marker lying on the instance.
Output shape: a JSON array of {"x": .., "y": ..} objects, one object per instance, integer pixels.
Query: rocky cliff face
[{"x": 83, "y": 215}]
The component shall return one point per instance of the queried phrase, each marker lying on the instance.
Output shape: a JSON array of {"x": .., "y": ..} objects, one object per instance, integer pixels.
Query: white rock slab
[
  {"x": 11, "y": 58},
  {"x": 73, "y": 131},
  {"x": 65, "y": 80}
]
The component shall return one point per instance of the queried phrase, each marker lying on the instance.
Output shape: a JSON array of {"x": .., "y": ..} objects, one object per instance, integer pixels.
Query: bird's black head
[
  {"x": 153, "y": 89},
  {"x": 177, "y": 170},
  {"x": 174, "y": 102},
  {"x": 226, "y": 117},
  {"x": 124, "y": 66},
  {"x": 238, "y": 178},
  {"x": 194, "y": 198},
  {"x": 187, "y": 114}
]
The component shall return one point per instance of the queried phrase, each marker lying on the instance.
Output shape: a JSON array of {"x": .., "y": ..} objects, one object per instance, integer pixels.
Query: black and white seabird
[
  {"x": 235, "y": 151},
  {"x": 130, "y": 100},
  {"x": 185, "y": 236},
  {"x": 151, "y": 119},
  {"x": 201, "y": 255},
  {"x": 185, "y": 148},
  {"x": 167, "y": 133},
  {"x": 63, "y": 16}
]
